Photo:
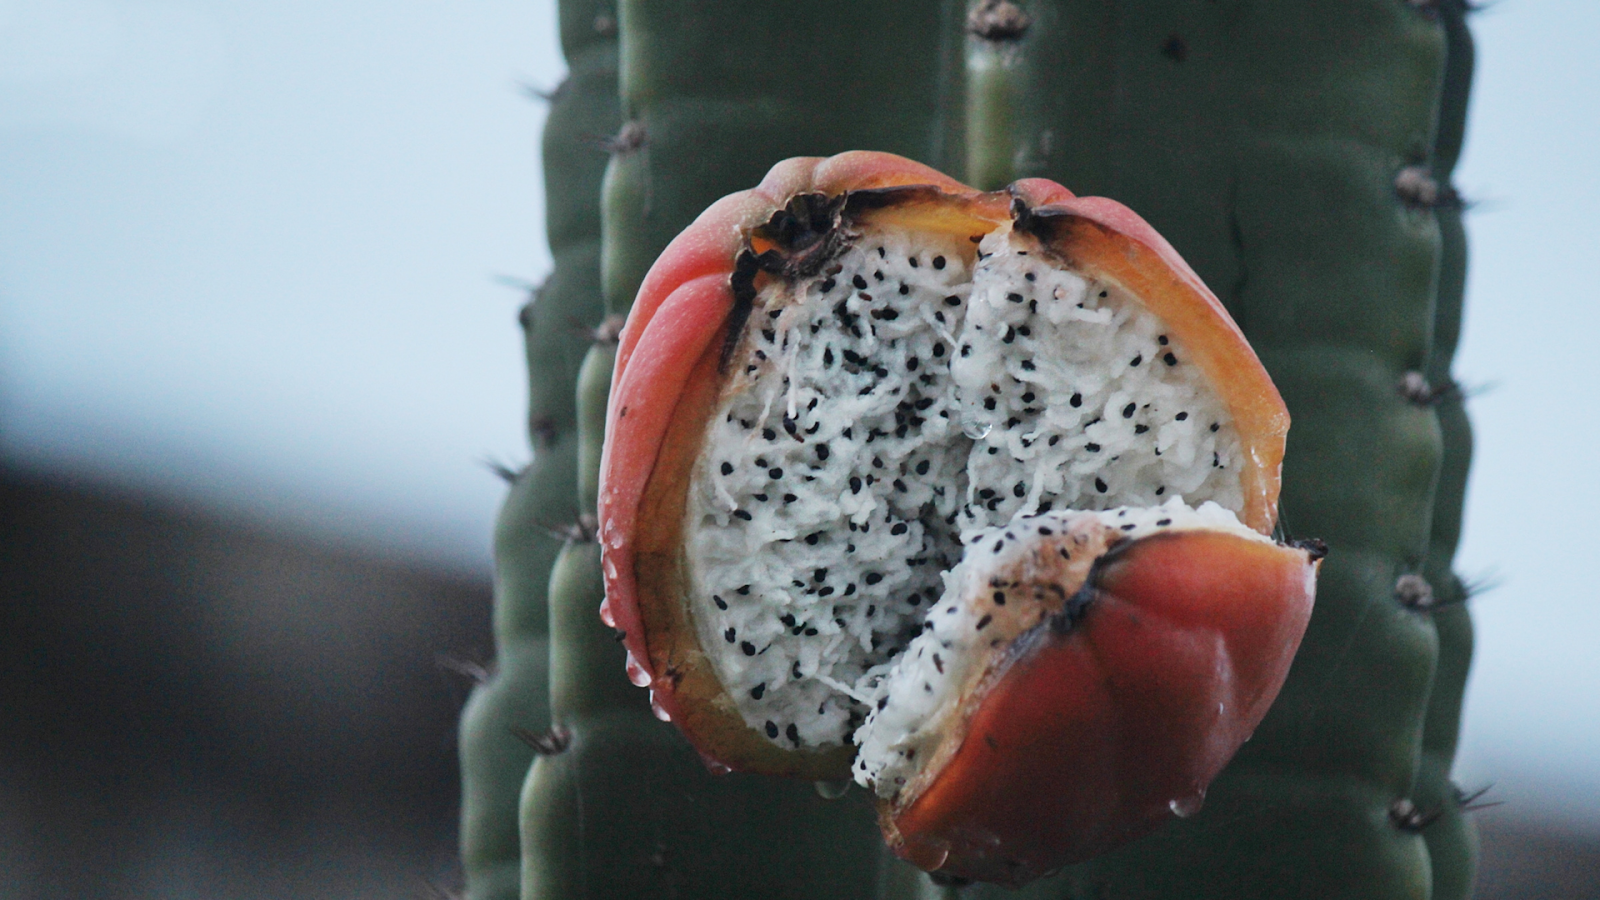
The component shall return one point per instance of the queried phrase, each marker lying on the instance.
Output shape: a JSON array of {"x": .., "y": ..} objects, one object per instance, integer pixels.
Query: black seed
[
  {"x": 827, "y": 286},
  {"x": 811, "y": 632},
  {"x": 1054, "y": 439},
  {"x": 1127, "y": 411},
  {"x": 1161, "y": 490},
  {"x": 1010, "y": 335},
  {"x": 1140, "y": 429},
  {"x": 1014, "y": 298},
  {"x": 827, "y": 357},
  {"x": 758, "y": 690},
  {"x": 905, "y": 289},
  {"x": 988, "y": 403},
  {"x": 938, "y": 262},
  {"x": 1163, "y": 522},
  {"x": 813, "y": 537},
  {"x": 721, "y": 603},
  {"x": 922, "y": 467},
  {"x": 730, "y": 635},
  {"x": 859, "y": 282},
  {"x": 1028, "y": 396},
  {"x": 1215, "y": 426},
  {"x": 984, "y": 622},
  {"x": 825, "y": 592},
  {"x": 1100, "y": 485},
  {"x": 1136, "y": 360},
  {"x": 878, "y": 274},
  {"x": 727, "y": 468},
  {"x": 966, "y": 350},
  {"x": 899, "y": 528},
  {"x": 899, "y": 485},
  {"x": 820, "y": 574},
  {"x": 1013, "y": 422},
  {"x": 1020, "y": 490},
  {"x": 873, "y": 578},
  {"x": 769, "y": 434},
  {"x": 952, "y": 300},
  {"x": 912, "y": 363},
  {"x": 913, "y": 261},
  {"x": 882, "y": 702},
  {"x": 742, "y": 514},
  {"x": 789, "y": 498},
  {"x": 1128, "y": 527},
  {"x": 748, "y": 648},
  {"x": 1181, "y": 416},
  {"x": 1169, "y": 359},
  {"x": 787, "y": 619},
  {"x": 849, "y": 589},
  {"x": 1027, "y": 365},
  {"x": 848, "y": 433},
  {"x": 998, "y": 545},
  {"x": 1092, "y": 447},
  {"x": 999, "y": 598},
  {"x": 822, "y": 451},
  {"x": 1163, "y": 340},
  {"x": 775, "y": 473},
  {"x": 938, "y": 349},
  {"x": 855, "y": 484},
  {"x": 1076, "y": 400}
]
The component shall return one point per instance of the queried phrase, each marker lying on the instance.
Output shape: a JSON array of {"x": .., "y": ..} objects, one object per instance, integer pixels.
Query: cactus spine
[{"x": 1293, "y": 153}]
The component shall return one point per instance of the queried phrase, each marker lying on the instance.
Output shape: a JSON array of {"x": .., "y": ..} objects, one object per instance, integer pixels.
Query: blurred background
[{"x": 259, "y": 270}]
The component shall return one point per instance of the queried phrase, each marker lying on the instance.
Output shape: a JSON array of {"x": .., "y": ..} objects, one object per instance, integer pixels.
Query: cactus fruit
[
  {"x": 1291, "y": 151},
  {"x": 807, "y": 425}
]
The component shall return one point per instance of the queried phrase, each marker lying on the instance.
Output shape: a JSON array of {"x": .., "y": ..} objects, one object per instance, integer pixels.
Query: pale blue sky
[{"x": 247, "y": 258}]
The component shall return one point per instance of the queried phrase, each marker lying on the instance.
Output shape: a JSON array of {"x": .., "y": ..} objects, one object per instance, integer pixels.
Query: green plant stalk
[
  {"x": 714, "y": 93},
  {"x": 1270, "y": 143},
  {"x": 515, "y": 698},
  {"x": 1452, "y": 838}
]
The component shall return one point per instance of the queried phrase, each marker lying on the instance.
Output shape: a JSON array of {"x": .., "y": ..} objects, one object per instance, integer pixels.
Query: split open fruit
[{"x": 963, "y": 495}]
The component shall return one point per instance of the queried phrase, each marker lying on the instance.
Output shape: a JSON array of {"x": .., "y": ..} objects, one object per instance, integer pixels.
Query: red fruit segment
[{"x": 1082, "y": 738}]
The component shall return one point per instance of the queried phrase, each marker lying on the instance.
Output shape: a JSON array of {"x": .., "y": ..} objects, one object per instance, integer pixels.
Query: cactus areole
[{"x": 963, "y": 495}]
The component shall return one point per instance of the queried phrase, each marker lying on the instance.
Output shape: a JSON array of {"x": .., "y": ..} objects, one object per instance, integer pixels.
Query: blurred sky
[{"x": 248, "y": 259}]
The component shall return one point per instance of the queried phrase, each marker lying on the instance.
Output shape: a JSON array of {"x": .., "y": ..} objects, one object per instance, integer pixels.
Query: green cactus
[
  {"x": 1284, "y": 149},
  {"x": 515, "y": 699},
  {"x": 1294, "y": 153}
]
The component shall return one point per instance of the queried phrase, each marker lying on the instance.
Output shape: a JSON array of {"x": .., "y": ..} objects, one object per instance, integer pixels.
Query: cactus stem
[{"x": 547, "y": 743}]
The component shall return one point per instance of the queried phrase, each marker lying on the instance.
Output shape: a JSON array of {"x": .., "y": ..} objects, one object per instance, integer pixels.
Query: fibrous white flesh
[
  {"x": 911, "y": 704},
  {"x": 906, "y": 397}
]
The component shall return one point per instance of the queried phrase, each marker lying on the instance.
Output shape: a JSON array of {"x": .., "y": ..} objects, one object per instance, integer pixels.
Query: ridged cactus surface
[
  {"x": 513, "y": 705},
  {"x": 1296, "y": 153},
  {"x": 1288, "y": 150}
]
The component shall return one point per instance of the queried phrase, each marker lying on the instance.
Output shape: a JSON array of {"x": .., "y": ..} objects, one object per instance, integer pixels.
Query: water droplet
[
  {"x": 636, "y": 672},
  {"x": 832, "y": 790},
  {"x": 658, "y": 709},
  {"x": 605, "y": 613},
  {"x": 1184, "y": 807},
  {"x": 611, "y": 569},
  {"x": 715, "y": 767},
  {"x": 977, "y": 430}
]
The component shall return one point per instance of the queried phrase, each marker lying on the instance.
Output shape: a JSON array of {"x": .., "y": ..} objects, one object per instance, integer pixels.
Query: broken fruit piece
[{"x": 963, "y": 494}]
